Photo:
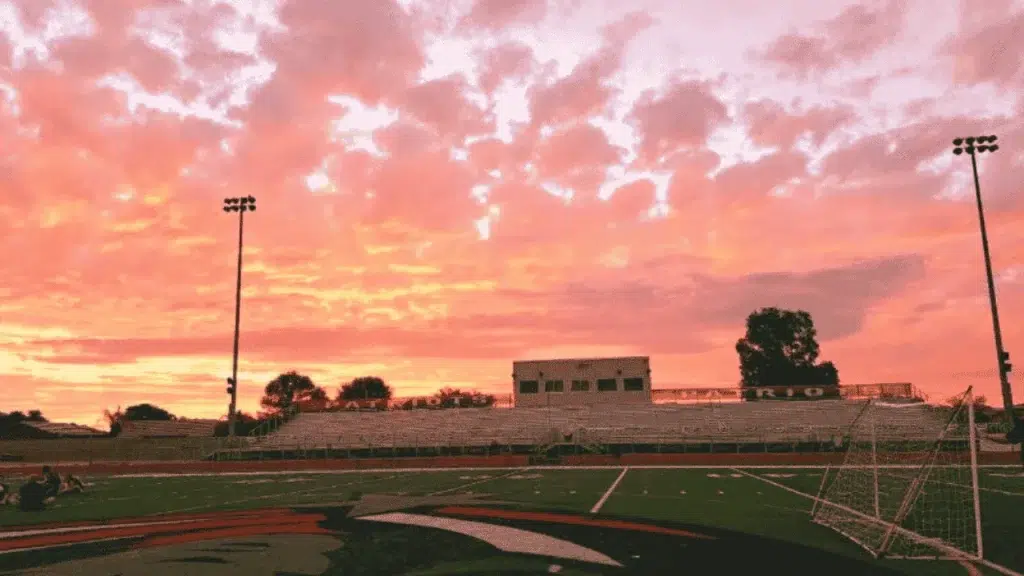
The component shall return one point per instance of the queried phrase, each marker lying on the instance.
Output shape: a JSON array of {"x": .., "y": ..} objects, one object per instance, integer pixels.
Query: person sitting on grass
[
  {"x": 72, "y": 485},
  {"x": 32, "y": 496},
  {"x": 52, "y": 481}
]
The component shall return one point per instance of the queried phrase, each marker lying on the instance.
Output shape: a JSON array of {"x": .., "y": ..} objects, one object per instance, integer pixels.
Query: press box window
[
  {"x": 607, "y": 385},
  {"x": 528, "y": 387},
  {"x": 580, "y": 386},
  {"x": 554, "y": 386},
  {"x": 633, "y": 384}
]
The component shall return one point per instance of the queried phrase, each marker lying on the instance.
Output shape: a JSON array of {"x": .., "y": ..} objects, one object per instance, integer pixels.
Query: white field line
[
  {"x": 608, "y": 493},
  {"x": 319, "y": 490},
  {"x": 51, "y": 546},
  {"x": 480, "y": 481},
  {"x": 98, "y": 526},
  {"x": 500, "y": 468},
  {"x": 958, "y": 554}
]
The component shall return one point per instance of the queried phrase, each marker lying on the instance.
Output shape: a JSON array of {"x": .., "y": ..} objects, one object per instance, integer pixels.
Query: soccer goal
[{"x": 908, "y": 485}]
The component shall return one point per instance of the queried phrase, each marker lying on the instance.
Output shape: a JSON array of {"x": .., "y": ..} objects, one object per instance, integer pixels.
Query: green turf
[{"x": 725, "y": 498}]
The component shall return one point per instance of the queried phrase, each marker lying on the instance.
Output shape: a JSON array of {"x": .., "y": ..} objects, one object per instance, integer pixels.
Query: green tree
[
  {"x": 451, "y": 397},
  {"x": 365, "y": 388},
  {"x": 780, "y": 348},
  {"x": 289, "y": 389}
]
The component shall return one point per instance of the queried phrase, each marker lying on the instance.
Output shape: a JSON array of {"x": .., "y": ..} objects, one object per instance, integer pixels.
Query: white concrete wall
[{"x": 587, "y": 369}]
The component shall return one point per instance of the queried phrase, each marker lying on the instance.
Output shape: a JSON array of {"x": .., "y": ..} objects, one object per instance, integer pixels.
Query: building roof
[
  {"x": 167, "y": 428},
  {"x": 64, "y": 428},
  {"x": 564, "y": 360}
]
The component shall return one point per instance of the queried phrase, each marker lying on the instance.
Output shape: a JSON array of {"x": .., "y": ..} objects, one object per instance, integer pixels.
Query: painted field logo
[{"x": 395, "y": 535}]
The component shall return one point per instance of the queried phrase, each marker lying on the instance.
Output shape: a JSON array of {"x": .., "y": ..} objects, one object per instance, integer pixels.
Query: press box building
[{"x": 582, "y": 381}]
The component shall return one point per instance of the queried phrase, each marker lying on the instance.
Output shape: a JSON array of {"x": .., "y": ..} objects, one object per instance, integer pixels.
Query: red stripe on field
[
  {"x": 151, "y": 518},
  {"x": 235, "y": 532},
  {"x": 143, "y": 531},
  {"x": 569, "y": 519}
]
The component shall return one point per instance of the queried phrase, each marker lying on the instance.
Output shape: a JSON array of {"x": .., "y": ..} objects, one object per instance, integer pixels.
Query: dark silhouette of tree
[
  {"x": 11, "y": 420},
  {"x": 113, "y": 420},
  {"x": 18, "y": 416},
  {"x": 244, "y": 424},
  {"x": 781, "y": 349},
  {"x": 136, "y": 412},
  {"x": 289, "y": 389},
  {"x": 147, "y": 411},
  {"x": 35, "y": 416},
  {"x": 982, "y": 412},
  {"x": 365, "y": 388},
  {"x": 455, "y": 397}
]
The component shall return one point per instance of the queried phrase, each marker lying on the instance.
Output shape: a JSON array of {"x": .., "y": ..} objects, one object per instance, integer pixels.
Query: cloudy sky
[{"x": 447, "y": 185}]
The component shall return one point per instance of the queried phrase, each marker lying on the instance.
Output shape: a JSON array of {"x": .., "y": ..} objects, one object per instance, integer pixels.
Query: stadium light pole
[
  {"x": 973, "y": 146},
  {"x": 240, "y": 205}
]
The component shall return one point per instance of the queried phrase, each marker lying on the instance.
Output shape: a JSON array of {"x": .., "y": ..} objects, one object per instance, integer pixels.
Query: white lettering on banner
[
  {"x": 790, "y": 392},
  {"x": 433, "y": 401}
]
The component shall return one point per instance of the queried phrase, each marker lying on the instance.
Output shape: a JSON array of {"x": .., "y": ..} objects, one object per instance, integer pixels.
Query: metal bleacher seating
[{"x": 745, "y": 422}]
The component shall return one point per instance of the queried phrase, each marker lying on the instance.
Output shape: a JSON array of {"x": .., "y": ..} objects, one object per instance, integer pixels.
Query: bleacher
[
  {"x": 744, "y": 422},
  {"x": 168, "y": 428}
]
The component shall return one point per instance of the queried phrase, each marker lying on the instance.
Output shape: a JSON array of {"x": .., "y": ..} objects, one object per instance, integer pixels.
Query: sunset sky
[{"x": 445, "y": 186}]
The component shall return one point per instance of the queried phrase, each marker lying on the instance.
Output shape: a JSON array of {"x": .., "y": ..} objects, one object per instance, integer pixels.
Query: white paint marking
[
  {"x": 71, "y": 529},
  {"x": 608, "y": 493},
  {"x": 475, "y": 482},
  {"x": 504, "y": 538}
]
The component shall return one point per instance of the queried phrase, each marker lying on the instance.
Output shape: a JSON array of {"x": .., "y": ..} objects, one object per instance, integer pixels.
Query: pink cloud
[
  {"x": 770, "y": 124},
  {"x": 497, "y": 14},
  {"x": 851, "y": 37},
  {"x": 119, "y": 263},
  {"x": 983, "y": 52},
  {"x": 683, "y": 117}
]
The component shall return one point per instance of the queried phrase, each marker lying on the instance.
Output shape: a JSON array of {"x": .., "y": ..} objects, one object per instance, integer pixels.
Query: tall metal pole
[
  {"x": 238, "y": 317},
  {"x": 240, "y": 205},
  {"x": 972, "y": 146},
  {"x": 1004, "y": 380}
]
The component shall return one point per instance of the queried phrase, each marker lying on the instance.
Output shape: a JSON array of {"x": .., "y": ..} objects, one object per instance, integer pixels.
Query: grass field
[{"x": 767, "y": 502}]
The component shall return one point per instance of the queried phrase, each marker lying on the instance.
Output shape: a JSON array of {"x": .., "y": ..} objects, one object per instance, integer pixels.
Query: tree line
[
  {"x": 287, "y": 391},
  {"x": 779, "y": 348}
]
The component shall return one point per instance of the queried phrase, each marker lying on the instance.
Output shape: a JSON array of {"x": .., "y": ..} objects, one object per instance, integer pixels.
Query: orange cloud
[{"x": 438, "y": 196}]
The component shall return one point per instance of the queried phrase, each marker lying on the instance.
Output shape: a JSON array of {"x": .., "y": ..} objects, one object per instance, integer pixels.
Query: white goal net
[{"x": 908, "y": 485}]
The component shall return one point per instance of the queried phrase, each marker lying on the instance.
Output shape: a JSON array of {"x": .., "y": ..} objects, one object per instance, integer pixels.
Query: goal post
[{"x": 908, "y": 483}]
